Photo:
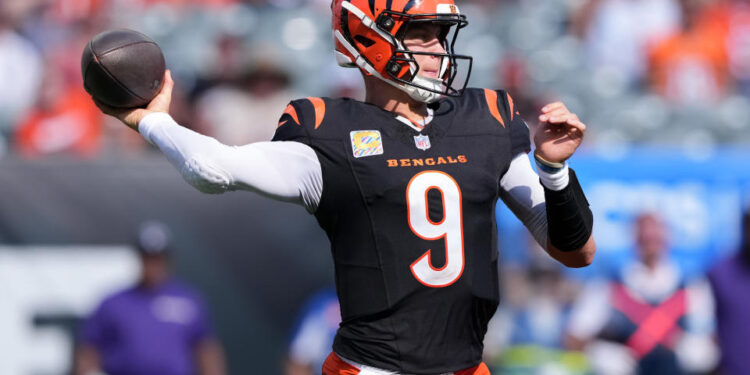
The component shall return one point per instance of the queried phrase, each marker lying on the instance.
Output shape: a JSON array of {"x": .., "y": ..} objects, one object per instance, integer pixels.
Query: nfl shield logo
[{"x": 422, "y": 142}]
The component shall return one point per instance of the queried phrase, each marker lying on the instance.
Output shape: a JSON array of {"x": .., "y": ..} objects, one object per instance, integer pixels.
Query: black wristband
[{"x": 569, "y": 219}]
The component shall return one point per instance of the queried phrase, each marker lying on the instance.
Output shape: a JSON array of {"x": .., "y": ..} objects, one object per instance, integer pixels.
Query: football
[{"x": 122, "y": 68}]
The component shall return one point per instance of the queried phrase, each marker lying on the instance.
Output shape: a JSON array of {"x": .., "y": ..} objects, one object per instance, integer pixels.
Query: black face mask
[{"x": 456, "y": 77}]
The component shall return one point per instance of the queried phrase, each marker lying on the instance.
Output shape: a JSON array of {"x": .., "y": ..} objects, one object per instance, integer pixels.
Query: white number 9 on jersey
[{"x": 450, "y": 228}]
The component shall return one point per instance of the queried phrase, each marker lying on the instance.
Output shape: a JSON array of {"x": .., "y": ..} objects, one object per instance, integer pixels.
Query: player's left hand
[{"x": 559, "y": 133}]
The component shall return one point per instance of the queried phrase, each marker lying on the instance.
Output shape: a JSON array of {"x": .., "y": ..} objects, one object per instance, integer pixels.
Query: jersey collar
[{"x": 418, "y": 126}]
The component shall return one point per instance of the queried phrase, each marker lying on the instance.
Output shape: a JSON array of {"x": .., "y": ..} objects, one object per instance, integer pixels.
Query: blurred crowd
[
  {"x": 646, "y": 316},
  {"x": 638, "y": 71}
]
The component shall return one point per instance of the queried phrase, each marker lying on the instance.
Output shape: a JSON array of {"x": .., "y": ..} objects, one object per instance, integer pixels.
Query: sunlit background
[{"x": 663, "y": 85}]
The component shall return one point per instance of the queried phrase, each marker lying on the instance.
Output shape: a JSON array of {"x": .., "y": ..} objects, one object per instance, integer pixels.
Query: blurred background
[{"x": 663, "y": 85}]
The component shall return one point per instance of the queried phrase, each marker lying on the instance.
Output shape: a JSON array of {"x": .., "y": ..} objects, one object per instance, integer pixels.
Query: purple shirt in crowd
[
  {"x": 730, "y": 281},
  {"x": 142, "y": 331}
]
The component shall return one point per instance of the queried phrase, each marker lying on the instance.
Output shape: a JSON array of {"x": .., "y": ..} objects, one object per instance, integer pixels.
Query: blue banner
[{"x": 700, "y": 195}]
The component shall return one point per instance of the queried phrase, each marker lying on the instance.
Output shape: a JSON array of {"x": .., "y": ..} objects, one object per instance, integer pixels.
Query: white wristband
[{"x": 556, "y": 180}]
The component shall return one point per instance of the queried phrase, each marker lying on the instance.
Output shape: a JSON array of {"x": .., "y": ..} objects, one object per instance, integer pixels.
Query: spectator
[
  {"x": 65, "y": 120},
  {"x": 691, "y": 66},
  {"x": 511, "y": 73},
  {"x": 526, "y": 334},
  {"x": 240, "y": 107},
  {"x": 648, "y": 319},
  {"x": 314, "y": 333},
  {"x": 730, "y": 281},
  {"x": 737, "y": 15},
  {"x": 618, "y": 33},
  {"x": 157, "y": 327},
  {"x": 20, "y": 73}
]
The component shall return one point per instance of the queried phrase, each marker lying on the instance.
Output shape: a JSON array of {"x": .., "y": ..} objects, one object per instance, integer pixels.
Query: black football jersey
[{"x": 411, "y": 220}]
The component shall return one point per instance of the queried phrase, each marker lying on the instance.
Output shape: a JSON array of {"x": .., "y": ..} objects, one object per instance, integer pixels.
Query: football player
[{"x": 404, "y": 184}]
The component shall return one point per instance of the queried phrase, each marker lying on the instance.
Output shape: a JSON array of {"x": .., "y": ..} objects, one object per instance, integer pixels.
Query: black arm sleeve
[{"x": 569, "y": 218}]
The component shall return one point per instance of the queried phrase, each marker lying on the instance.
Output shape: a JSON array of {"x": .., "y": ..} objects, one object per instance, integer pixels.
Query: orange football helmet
[{"x": 369, "y": 34}]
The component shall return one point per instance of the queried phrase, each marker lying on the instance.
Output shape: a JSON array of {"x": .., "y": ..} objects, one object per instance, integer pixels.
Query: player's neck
[{"x": 394, "y": 100}]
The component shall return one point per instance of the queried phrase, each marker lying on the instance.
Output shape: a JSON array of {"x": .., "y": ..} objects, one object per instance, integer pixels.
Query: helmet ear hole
[{"x": 363, "y": 40}]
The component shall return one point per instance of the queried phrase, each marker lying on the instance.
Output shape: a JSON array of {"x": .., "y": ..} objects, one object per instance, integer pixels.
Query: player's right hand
[
  {"x": 132, "y": 116},
  {"x": 559, "y": 134}
]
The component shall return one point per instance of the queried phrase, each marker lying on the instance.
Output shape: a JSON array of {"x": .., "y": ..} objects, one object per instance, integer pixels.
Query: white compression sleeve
[
  {"x": 286, "y": 171},
  {"x": 524, "y": 195}
]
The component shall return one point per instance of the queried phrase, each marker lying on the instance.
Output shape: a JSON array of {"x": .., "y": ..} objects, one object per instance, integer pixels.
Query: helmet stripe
[
  {"x": 372, "y": 6},
  {"x": 409, "y": 5}
]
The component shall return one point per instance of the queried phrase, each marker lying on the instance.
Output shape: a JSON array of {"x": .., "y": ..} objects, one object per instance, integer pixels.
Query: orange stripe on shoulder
[
  {"x": 512, "y": 109},
  {"x": 291, "y": 112},
  {"x": 491, "y": 97},
  {"x": 320, "y": 110}
]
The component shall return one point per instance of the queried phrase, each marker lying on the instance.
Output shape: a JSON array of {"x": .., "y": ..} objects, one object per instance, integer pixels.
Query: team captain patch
[{"x": 366, "y": 143}]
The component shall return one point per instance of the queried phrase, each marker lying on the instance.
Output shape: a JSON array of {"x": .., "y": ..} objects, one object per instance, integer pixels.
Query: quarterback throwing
[{"x": 404, "y": 184}]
